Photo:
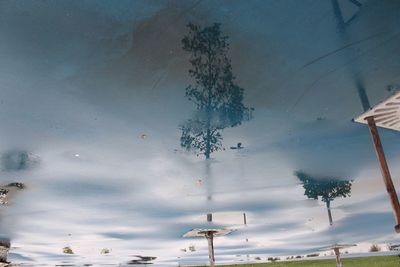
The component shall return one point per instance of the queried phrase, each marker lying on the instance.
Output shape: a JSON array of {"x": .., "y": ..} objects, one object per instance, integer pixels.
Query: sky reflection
[{"x": 81, "y": 83}]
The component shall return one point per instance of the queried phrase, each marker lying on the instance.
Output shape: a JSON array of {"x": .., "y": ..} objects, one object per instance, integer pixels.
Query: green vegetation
[
  {"x": 380, "y": 261},
  {"x": 374, "y": 248},
  {"x": 326, "y": 188},
  {"x": 218, "y": 99}
]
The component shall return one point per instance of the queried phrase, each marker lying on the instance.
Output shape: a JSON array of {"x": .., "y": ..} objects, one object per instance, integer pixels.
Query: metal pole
[
  {"x": 210, "y": 239},
  {"x": 245, "y": 224},
  {"x": 338, "y": 261},
  {"x": 385, "y": 171}
]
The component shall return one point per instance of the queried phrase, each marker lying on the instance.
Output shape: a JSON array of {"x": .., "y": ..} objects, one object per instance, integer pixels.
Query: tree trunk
[
  {"x": 208, "y": 110},
  {"x": 338, "y": 260},
  {"x": 209, "y": 187},
  {"x": 328, "y": 206},
  {"x": 208, "y": 143},
  {"x": 208, "y": 135},
  {"x": 210, "y": 239}
]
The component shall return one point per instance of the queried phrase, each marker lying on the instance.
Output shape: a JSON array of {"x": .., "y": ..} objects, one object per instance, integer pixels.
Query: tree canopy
[
  {"x": 326, "y": 188},
  {"x": 218, "y": 99}
]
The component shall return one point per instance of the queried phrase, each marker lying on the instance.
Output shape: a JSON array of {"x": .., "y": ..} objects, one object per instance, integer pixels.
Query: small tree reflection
[{"x": 327, "y": 189}]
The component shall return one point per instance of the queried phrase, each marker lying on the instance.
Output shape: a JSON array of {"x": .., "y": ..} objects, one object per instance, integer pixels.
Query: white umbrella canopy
[
  {"x": 338, "y": 246},
  {"x": 204, "y": 232},
  {"x": 209, "y": 234},
  {"x": 386, "y": 113}
]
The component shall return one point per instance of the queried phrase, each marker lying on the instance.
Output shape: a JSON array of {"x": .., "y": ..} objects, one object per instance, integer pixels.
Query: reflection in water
[
  {"x": 101, "y": 106},
  {"x": 343, "y": 22},
  {"x": 327, "y": 189},
  {"x": 342, "y": 25},
  {"x": 209, "y": 185},
  {"x": 141, "y": 260},
  {"x": 363, "y": 95},
  {"x": 4, "y": 248},
  {"x": 8, "y": 190},
  {"x": 16, "y": 160},
  {"x": 6, "y": 193},
  {"x": 68, "y": 250},
  {"x": 218, "y": 100}
]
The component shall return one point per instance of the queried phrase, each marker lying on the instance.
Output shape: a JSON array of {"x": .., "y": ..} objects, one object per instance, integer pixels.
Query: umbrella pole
[
  {"x": 210, "y": 239},
  {"x": 338, "y": 261},
  {"x": 385, "y": 171}
]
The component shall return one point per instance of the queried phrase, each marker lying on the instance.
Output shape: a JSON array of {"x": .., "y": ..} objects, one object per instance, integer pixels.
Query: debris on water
[
  {"x": 3, "y": 195},
  {"x": 143, "y": 136},
  {"x": 393, "y": 87},
  {"x": 134, "y": 262},
  {"x": 105, "y": 251},
  {"x": 5, "y": 191},
  {"x": 18, "y": 185},
  {"x": 146, "y": 258},
  {"x": 394, "y": 247},
  {"x": 238, "y": 146},
  {"x": 199, "y": 182},
  {"x": 192, "y": 248},
  {"x": 68, "y": 250},
  {"x": 4, "y": 248},
  {"x": 142, "y": 260},
  {"x": 274, "y": 259}
]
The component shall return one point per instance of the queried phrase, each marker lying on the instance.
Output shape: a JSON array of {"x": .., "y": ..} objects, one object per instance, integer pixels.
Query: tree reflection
[
  {"x": 327, "y": 189},
  {"x": 218, "y": 99}
]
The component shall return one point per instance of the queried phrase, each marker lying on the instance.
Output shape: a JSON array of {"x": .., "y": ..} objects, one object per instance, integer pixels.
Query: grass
[{"x": 381, "y": 261}]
